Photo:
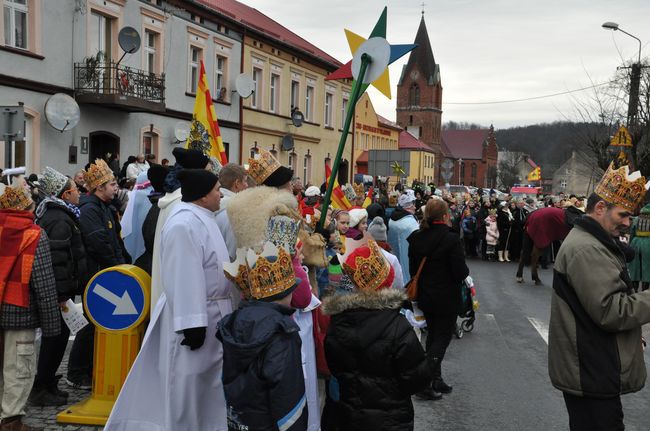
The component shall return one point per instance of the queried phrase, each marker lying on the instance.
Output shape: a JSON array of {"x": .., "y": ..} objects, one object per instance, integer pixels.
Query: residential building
[
  {"x": 288, "y": 74},
  {"x": 129, "y": 103},
  {"x": 578, "y": 175},
  {"x": 371, "y": 132},
  {"x": 419, "y": 97},
  {"x": 474, "y": 155},
  {"x": 422, "y": 158}
]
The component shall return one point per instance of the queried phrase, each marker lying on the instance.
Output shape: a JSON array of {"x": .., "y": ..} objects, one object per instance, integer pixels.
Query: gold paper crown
[
  {"x": 270, "y": 273},
  {"x": 262, "y": 166},
  {"x": 621, "y": 188},
  {"x": 359, "y": 190},
  {"x": 97, "y": 174},
  {"x": 368, "y": 273},
  {"x": 14, "y": 197},
  {"x": 237, "y": 272}
]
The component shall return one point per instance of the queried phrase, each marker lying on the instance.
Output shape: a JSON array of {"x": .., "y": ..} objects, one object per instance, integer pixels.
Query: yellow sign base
[{"x": 88, "y": 412}]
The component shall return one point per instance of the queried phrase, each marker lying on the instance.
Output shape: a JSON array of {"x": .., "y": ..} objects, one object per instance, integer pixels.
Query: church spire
[{"x": 422, "y": 56}]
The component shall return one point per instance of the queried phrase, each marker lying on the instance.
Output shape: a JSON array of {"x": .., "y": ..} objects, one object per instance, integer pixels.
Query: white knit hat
[
  {"x": 356, "y": 215},
  {"x": 312, "y": 191}
]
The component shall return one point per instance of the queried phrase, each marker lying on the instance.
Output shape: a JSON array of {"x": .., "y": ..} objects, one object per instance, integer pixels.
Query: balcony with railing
[{"x": 118, "y": 86}]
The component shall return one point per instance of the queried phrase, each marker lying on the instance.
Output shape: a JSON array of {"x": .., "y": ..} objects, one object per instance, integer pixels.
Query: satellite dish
[
  {"x": 181, "y": 131},
  {"x": 287, "y": 143},
  {"x": 244, "y": 85},
  {"x": 129, "y": 39},
  {"x": 297, "y": 118},
  {"x": 62, "y": 112}
]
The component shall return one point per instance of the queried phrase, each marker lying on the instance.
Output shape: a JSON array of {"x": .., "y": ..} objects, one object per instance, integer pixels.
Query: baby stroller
[{"x": 468, "y": 308}]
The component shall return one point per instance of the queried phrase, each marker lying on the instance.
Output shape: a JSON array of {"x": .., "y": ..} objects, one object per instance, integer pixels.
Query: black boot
[
  {"x": 53, "y": 387},
  {"x": 439, "y": 384},
  {"x": 40, "y": 397},
  {"x": 429, "y": 394}
]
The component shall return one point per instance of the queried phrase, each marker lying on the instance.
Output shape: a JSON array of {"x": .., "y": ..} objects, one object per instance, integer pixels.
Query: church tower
[{"x": 419, "y": 95}]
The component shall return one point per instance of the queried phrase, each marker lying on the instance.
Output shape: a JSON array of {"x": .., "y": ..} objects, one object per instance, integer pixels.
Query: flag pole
[{"x": 354, "y": 98}]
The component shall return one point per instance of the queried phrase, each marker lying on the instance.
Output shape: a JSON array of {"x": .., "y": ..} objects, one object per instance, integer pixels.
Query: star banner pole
[{"x": 369, "y": 66}]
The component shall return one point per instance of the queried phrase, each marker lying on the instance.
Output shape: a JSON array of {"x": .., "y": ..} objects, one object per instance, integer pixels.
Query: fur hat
[
  {"x": 378, "y": 229},
  {"x": 53, "y": 182},
  {"x": 356, "y": 215}
]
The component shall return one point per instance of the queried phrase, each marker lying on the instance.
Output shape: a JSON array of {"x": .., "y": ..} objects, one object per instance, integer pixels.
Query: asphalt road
[{"x": 499, "y": 370}]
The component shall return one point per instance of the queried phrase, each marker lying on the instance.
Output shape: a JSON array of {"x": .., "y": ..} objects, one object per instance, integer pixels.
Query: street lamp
[{"x": 635, "y": 78}]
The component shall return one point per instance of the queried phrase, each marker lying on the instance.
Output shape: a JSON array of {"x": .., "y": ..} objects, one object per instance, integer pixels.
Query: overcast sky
[{"x": 488, "y": 50}]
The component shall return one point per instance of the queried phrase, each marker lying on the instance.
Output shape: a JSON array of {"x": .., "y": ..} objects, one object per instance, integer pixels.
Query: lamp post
[{"x": 635, "y": 77}]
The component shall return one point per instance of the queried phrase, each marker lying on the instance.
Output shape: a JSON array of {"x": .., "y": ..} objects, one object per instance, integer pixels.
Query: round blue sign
[{"x": 115, "y": 300}]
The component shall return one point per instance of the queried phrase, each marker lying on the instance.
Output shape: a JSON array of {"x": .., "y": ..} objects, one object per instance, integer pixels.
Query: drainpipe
[{"x": 241, "y": 105}]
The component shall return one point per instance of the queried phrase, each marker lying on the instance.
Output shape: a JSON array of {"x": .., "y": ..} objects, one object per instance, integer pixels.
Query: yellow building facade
[
  {"x": 371, "y": 132},
  {"x": 282, "y": 82}
]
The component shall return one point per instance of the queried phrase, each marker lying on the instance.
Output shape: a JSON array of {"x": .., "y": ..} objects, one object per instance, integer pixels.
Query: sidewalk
[{"x": 46, "y": 416}]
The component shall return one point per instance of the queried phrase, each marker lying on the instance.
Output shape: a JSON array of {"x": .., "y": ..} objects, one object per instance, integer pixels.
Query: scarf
[{"x": 18, "y": 240}]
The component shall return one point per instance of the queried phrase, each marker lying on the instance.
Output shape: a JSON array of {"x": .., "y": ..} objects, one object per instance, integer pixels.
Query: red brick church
[{"x": 419, "y": 112}]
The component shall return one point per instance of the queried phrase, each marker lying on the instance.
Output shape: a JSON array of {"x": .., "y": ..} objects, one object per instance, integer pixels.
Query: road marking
[{"x": 541, "y": 327}]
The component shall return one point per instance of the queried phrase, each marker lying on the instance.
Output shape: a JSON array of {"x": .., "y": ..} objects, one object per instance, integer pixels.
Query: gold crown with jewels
[
  {"x": 237, "y": 272},
  {"x": 262, "y": 165},
  {"x": 367, "y": 273},
  {"x": 622, "y": 188},
  {"x": 270, "y": 273},
  {"x": 98, "y": 173},
  {"x": 359, "y": 190},
  {"x": 14, "y": 197}
]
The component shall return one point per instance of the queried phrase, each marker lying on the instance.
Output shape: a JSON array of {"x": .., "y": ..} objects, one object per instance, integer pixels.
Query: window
[
  {"x": 328, "y": 109},
  {"x": 196, "y": 54},
  {"x": 100, "y": 33},
  {"x": 257, "y": 85},
  {"x": 292, "y": 161},
  {"x": 462, "y": 172},
  {"x": 344, "y": 108},
  {"x": 563, "y": 184},
  {"x": 306, "y": 169},
  {"x": 414, "y": 95},
  {"x": 309, "y": 103},
  {"x": 15, "y": 23},
  {"x": 275, "y": 91},
  {"x": 149, "y": 143},
  {"x": 295, "y": 93},
  {"x": 150, "y": 44},
  {"x": 473, "y": 171},
  {"x": 220, "y": 77}
]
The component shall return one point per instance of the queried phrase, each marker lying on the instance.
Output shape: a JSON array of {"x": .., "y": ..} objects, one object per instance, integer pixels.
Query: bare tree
[{"x": 508, "y": 171}]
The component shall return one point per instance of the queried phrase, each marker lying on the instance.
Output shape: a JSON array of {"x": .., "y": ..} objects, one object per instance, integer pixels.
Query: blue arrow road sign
[{"x": 115, "y": 300}]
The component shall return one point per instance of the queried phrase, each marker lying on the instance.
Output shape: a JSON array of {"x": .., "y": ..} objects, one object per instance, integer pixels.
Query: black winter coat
[
  {"x": 66, "y": 246},
  {"x": 101, "y": 234},
  {"x": 378, "y": 361},
  {"x": 262, "y": 368},
  {"x": 149, "y": 234},
  {"x": 445, "y": 269}
]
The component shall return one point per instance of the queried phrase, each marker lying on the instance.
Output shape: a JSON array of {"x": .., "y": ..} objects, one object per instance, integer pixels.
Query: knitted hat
[
  {"x": 156, "y": 175},
  {"x": 312, "y": 191},
  {"x": 406, "y": 199},
  {"x": 378, "y": 229},
  {"x": 196, "y": 183},
  {"x": 190, "y": 159},
  {"x": 356, "y": 215},
  {"x": 53, "y": 182}
]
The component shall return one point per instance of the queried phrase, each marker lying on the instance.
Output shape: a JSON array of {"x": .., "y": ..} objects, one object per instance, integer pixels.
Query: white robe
[
  {"x": 166, "y": 204},
  {"x": 171, "y": 387},
  {"x": 308, "y": 352}
]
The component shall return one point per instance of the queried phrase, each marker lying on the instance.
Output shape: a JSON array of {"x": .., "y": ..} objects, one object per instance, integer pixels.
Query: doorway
[{"x": 102, "y": 143}]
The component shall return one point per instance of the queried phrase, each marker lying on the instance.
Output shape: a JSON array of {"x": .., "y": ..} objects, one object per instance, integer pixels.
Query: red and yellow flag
[
  {"x": 204, "y": 131},
  {"x": 368, "y": 199},
  {"x": 339, "y": 201}
]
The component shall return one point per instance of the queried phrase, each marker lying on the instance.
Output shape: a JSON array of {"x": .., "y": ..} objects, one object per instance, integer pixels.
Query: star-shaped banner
[{"x": 382, "y": 83}]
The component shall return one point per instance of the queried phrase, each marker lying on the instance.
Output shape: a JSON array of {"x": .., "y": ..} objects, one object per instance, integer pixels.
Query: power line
[{"x": 531, "y": 98}]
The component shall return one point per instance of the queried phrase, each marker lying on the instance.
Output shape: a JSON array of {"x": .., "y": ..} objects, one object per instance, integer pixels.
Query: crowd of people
[{"x": 268, "y": 310}]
